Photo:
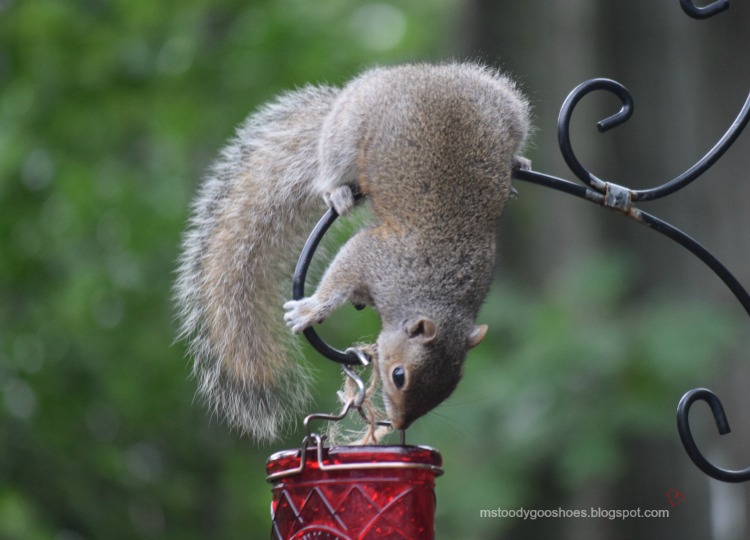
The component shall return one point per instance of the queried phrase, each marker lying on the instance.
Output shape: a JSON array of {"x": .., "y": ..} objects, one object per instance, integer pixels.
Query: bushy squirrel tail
[{"x": 248, "y": 223}]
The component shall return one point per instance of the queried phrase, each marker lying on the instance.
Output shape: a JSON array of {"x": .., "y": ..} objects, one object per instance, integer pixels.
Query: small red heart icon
[{"x": 675, "y": 497}]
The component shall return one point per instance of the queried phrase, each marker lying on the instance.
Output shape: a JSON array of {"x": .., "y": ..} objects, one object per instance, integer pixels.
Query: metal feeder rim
[{"x": 302, "y": 452}]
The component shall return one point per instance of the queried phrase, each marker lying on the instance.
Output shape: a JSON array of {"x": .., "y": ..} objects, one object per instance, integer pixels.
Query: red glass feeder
[{"x": 354, "y": 492}]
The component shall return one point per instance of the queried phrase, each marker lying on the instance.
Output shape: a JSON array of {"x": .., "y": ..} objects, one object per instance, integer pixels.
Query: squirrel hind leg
[
  {"x": 521, "y": 164},
  {"x": 341, "y": 199}
]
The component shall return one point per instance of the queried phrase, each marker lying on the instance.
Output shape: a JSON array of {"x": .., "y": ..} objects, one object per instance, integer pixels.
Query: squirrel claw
[{"x": 340, "y": 199}]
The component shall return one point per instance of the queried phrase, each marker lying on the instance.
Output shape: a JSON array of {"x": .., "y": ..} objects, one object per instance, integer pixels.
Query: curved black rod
[
  {"x": 566, "y": 113},
  {"x": 720, "y": 417},
  {"x": 566, "y": 186},
  {"x": 648, "y": 220},
  {"x": 298, "y": 290},
  {"x": 667, "y": 188},
  {"x": 699, "y": 251},
  {"x": 704, "y": 12},
  {"x": 713, "y": 155}
]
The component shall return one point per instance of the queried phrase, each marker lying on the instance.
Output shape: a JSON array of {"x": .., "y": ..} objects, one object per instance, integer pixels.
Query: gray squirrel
[{"x": 431, "y": 148}]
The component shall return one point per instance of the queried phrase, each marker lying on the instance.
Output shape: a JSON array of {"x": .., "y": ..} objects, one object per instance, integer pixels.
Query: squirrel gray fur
[{"x": 431, "y": 148}]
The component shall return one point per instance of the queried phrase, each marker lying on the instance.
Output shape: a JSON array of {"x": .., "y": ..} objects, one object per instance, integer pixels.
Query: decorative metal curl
[
  {"x": 704, "y": 12},
  {"x": 566, "y": 113},
  {"x": 621, "y": 199},
  {"x": 563, "y": 136},
  {"x": 720, "y": 417}
]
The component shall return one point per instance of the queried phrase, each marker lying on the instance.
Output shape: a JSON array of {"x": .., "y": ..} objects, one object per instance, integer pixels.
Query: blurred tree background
[{"x": 111, "y": 111}]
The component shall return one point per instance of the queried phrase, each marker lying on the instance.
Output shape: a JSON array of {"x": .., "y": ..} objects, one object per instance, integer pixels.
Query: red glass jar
[{"x": 354, "y": 492}]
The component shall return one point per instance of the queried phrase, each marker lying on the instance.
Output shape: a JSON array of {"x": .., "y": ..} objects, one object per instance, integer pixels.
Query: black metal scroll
[
  {"x": 720, "y": 417},
  {"x": 704, "y": 12},
  {"x": 621, "y": 199}
]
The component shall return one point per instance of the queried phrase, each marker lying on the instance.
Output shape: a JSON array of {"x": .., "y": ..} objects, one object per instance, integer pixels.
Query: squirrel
[{"x": 431, "y": 148}]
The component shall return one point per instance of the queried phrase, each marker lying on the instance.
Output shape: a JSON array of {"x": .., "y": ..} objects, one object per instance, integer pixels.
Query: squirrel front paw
[
  {"x": 301, "y": 314},
  {"x": 340, "y": 199}
]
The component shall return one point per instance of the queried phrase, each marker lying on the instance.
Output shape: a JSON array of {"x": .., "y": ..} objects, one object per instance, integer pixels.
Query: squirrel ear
[
  {"x": 477, "y": 335},
  {"x": 424, "y": 328}
]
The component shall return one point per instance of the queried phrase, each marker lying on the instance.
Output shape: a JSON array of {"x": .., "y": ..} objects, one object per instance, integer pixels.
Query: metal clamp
[
  {"x": 318, "y": 439},
  {"x": 355, "y": 402}
]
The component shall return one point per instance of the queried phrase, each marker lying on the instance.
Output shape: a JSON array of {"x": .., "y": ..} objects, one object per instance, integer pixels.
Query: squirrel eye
[{"x": 399, "y": 377}]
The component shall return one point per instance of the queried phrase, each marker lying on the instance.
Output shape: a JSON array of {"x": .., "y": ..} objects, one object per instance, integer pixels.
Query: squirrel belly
[{"x": 432, "y": 148}]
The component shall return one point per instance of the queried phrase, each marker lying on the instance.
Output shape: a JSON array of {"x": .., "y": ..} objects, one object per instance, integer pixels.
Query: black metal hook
[
  {"x": 713, "y": 155},
  {"x": 566, "y": 113},
  {"x": 298, "y": 290},
  {"x": 706, "y": 11},
  {"x": 720, "y": 417}
]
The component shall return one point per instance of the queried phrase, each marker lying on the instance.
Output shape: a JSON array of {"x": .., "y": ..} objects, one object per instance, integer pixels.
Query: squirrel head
[{"x": 420, "y": 362}]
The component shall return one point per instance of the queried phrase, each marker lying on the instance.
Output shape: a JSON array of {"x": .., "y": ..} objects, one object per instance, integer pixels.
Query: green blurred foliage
[
  {"x": 569, "y": 374},
  {"x": 110, "y": 111},
  {"x": 109, "y": 114}
]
